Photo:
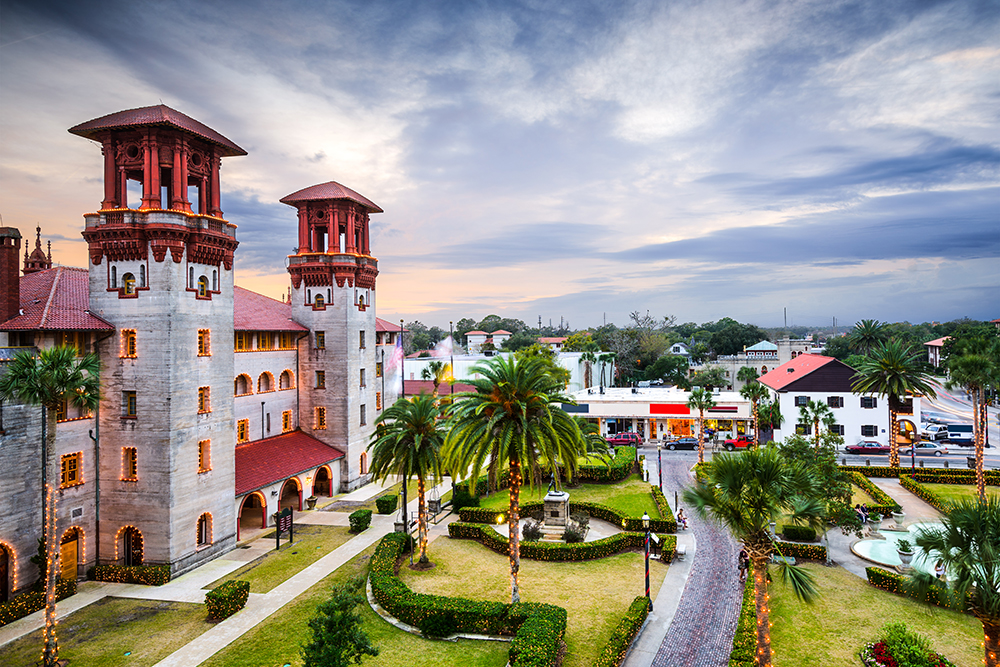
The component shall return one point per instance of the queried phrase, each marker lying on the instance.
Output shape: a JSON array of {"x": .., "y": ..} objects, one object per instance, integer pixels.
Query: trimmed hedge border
[
  {"x": 148, "y": 575},
  {"x": 884, "y": 504},
  {"x": 992, "y": 476},
  {"x": 603, "y": 512},
  {"x": 662, "y": 506},
  {"x": 798, "y": 533},
  {"x": 621, "y": 467},
  {"x": 538, "y": 628},
  {"x": 29, "y": 603},
  {"x": 911, "y": 484},
  {"x": 744, "y": 653},
  {"x": 360, "y": 520},
  {"x": 226, "y": 599},
  {"x": 557, "y": 551},
  {"x": 800, "y": 550},
  {"x": 893, "y": 582},
  {"x": 387, "y": 504},
  {"x": 624, "y": 633}
]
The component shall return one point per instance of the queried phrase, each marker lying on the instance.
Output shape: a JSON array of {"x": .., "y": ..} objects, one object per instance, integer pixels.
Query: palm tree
[
  {"x": 747, "y": 374},
  {"x": 595, "y": 445},
  {"x": 892, "y": 371},
  {"x": 974, "y": 365},
  {"x": 54, "y": 377},
  {"x": 755, "y": 392},
  {"x": 407, "y": 443},
  {"x": 770, "y": 415},
  {"x": 866, "y": 336},
  {"x": 513, "y": 419},
  {"x": 589, "y": 357},
  {"x": 744, "y": 493},
  {"x": 701, "y": 400},
  {"x": 968, "y": 543},
  {"x": 604, "y": 359},
  {"x": 437, "y": 371},
  {"x": 815, "y": 412}
]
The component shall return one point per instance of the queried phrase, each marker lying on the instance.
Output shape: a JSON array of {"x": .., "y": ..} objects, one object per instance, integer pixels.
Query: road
[{"x": 953, "y": 406}]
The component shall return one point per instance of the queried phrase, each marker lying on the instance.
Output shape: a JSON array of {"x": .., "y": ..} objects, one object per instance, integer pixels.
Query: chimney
[{"x": 10, "y": 279}]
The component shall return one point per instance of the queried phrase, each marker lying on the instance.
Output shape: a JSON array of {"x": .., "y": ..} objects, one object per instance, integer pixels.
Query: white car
[{"x": 934, "y": 431}]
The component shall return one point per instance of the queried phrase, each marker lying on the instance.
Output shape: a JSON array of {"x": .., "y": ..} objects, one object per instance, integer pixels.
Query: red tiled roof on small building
[
  {"x": 501, "y": 332},
  {"x": 264, "y": 462},
  {"x": 386, "y": 325},
  {"x": 330, "y": 190},
  {"x": 476, "y": 333},
  {"x": 796, "y": 369},
  {"x": 155, "y": 115},
  {"x": 256, "y": 312},
  {"x": 549, "y": 340},
  {"x": 937, "y": 342},
  {"x": 56, "y": 299}
]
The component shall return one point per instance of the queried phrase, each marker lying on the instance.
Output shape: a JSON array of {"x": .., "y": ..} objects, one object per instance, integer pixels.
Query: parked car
[
  {"x": 863, "y": 447},
  {"x": 934, "y": 431},
  {"x": 682, "y": 443},
  {"x": 628, "y": 438},
  {"x": 960, "y": 434},
  {"x": 739, "y": 442},
  {"x": 925, "y": 449}
]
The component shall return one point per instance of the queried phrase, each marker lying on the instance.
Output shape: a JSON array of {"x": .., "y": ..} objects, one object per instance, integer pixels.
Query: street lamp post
[
  {"x": 645, "y": 525},
  {"x": 659, "y": 464}
]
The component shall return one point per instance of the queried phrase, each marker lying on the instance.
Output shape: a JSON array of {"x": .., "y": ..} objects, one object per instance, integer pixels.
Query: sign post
[{"x": 283, "y": 523}]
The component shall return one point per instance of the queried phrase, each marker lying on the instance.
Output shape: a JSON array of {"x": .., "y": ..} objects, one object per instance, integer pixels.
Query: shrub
[
  {"x": 620, "y": 467},
  {"x": 745, "y": 640},
  {"x": 336, "y": 636},
  {"x": 799, "y": 550},
  {"x": 532, "y": 531},
  {"x": 439, "y": 625},
  {"x": 901, "y": 646},
  {"x": 623, "y": 634},
  {"x": 884, "y": 504},
  {"x": 572, "y": 535},
  {"x": 799, "y": 533},
  {"x": 149, "y": 575},
  {"x": 360, "y": 520},
  {"x": 557, "y": 551},
  {"x": 29, "y": 603},
  {"x": 387, "y": 504},
  {"x": 896, "y": 583},
  {"x": 226, "y": 599},
  {"x": 461, "y": 497}
]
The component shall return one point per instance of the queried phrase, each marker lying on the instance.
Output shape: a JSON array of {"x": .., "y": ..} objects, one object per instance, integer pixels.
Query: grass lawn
[
  {"x": 276, "y": 641},
  {"x": 850, "y": 613},
  {"x": 860, "y": 497},
  {"x": 954, "y": 492},
  {"x": 594, "y": 593},
  {"x": 311, "y": 544},
  {"x": 397, "y": 489},
  {"x": 630, "y": 496},
  {"x": 100, "y": 634}
]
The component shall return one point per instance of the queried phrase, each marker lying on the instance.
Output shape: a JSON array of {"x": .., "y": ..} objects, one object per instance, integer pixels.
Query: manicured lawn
[
  {"x": 311, "y": 543},
  {"x": 860, "y": 497},
  {"x": 276, "y": 641},
  {"x": 100, "y": 634},
  {"x": 594, "y": 593},
  {"x": 849, "y": 613},
  {"x": 954, "y": 492},
  {"x": 397, "y": 489},
  {"x": 631, "y": 496}
]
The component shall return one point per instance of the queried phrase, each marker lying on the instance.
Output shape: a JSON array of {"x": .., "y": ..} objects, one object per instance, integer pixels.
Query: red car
[
  {"x": 740, "y": 442},
  {"x": 867, "y": 447},
  {"x": 624, "y": 439}
]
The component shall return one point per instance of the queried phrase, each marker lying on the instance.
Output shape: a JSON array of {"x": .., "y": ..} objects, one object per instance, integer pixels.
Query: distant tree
[
  {"x": 838, "y": 347},
  {"x": 747, "y": 374},
  {"x": 625, "y": 344},
  {"x": 814, "y": 413},
  {"x": 734, "y": 337},
  {"x": 974, "y": 365},
  {"x": 711, "y": 377},
  {"x": 519, "y": 341},
  {"x": 578, "y": 341},
  {"x": 701, "y": 400},
  {"x": 438, "y": 371},
  {"x": 769, "y": 415},
  {"x": 670, "y": 368},
  {"x": 464, "y": 326},
  {"x": 588, "y": 358},
  {"x": 866, "y": 336},
  {"x": 336, "y": 637},
  {"x": 755, "y": 392},
  {"x": 417, "y": 337},
  {"x": 549, "y": 359},
  {"x": 606, "y": 360}
]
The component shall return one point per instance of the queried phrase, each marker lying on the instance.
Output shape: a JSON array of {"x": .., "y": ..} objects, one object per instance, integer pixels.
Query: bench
[
  {"x": 775, "y": 558},
  {"x": 681, "y": 552}
]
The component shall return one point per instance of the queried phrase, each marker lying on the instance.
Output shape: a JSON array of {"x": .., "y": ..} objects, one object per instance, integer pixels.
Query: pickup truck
[{"x": 740, "y": 442}]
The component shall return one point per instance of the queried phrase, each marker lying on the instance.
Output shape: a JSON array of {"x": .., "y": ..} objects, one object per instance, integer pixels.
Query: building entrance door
[{"x": 68, "y": 553}]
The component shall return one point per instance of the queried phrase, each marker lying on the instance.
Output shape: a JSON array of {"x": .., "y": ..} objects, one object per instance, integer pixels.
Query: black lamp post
[
  {"x": 645, "y": 525},
  {"x": 659, "y": 464}
]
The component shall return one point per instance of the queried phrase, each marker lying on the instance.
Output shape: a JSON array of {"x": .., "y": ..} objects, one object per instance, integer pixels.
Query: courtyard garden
[{"x": 630, "y": 496}]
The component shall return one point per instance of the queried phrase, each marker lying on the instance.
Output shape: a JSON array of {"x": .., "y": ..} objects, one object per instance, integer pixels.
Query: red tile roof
[
  {"x": 271, "y": 460},
  {"x": 937, "y": 342},
  {"x": 158, "y": 115},
  {"x": 502, "y": 333},
  {"x": 330, "y": 190},
  {"x": 256, "y": 312},
  {"x": 414, "y": 387},
  {"x": 386, "y": 325},
  {"x": 476, "y": 333},
  {"x": 552, "y": 339},
  {"x": 796, "y": 369},
  {"x": 56, "y": 299}
]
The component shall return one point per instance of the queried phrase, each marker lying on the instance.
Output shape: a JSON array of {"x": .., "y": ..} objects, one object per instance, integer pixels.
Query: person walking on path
[{"x": 744, "y": 564}]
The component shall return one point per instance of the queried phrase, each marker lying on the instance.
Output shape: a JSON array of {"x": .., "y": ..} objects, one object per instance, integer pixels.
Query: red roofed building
[{"x": 934, "y": 349}]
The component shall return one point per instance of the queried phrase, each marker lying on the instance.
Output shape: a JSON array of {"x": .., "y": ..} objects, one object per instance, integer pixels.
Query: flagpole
[
  {"x": 402, "y": 359},
  {"x": 451, "y": 334}
]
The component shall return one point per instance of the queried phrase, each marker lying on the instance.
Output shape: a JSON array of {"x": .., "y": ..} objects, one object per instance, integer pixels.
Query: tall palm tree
[
  {"x": 968, "y": 543},
  {"x": 770, "y": 415},
  {"x": 974, "y": 365},
  {"x": 755, "y": 392},
  {"x": 892, "y": 371},
  {"x": 513, "y": 419},
  {"x": 589, "y": 357},
  {"x": 595, "y": 445},
  {"x": 407, "y": 443},
  {"x": 744, "y": 493},
  {"x": 747, "y": 374},
  {"x": 436, "y": 371},
  {"x": 54, "y": 377},
  {"x": 815, "y": 412},
  {"x": 604, "y": 359},
  {"x": 701, "y": 400},
  {"x": 866, "y": 336}
]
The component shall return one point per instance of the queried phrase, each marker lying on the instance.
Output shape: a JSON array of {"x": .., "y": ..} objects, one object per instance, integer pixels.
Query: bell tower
[{"x": 333, "y": 294}]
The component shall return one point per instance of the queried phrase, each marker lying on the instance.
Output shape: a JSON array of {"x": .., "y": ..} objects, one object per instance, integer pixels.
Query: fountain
[{"x": 886, "y": 551}]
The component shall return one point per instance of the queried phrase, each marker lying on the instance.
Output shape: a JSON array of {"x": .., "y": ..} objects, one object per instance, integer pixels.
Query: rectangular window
[
  {"x": 130, "y": 465},
  {"x": 286, "y": 341},
  {"x": 267, "y": 422},
  {"x": 204, "y": 399},
  {"x": 286, "y": 421},
  {"x": 364, "y": 417},
  {"x": 378, "y": 400},
  {"x": 128, "y": 348},
  {"x": 869, "y": 431},
  {"x": 803, "y": 429},
  {"x": 378, "y": 369},
  {"x": 244, "y": 341},
  {"x": 129, "y": 404},
  {"x": 320, "y": 379},
  {"x": 837, "y": 429},
  {"x": 265, "y": 340},
  {"x": 835, "y": 401},
  {"x": 204, "y": 343},
  {"x": 362, "y": 377},
  {"x": 243, "y": 430},
  {"x": 204, "y": 456},
  {"x": 868, "y": 402},
  {"x": 801, "y": 400},
  {"x": 71, "y": 473},
  {"x": 320, "y": 418},
  {"x": 61, "y": 411},
  {"x": 320, "y": 340},
  {"x": 361, "y": 339}
]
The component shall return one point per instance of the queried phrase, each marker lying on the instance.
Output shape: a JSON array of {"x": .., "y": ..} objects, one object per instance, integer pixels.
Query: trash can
[{"x": 971, "y": 460}]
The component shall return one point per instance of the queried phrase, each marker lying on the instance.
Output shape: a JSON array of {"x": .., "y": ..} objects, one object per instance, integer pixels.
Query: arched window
[
  {"x": 215, "y": 280},
  {"x": 364, "y": 463},
  {"x": 265, "y": 382},
  {"x": 142, "y": 276},
  {"x": 191, "y": 277},
  {"x": 763, "y": 370},
  {"x": 128, "y": 282},
  {"x": 114, "y": 277},
  {"x": 243, "y": 385},
  {"x": 128, "y": 546},
  {"x": 286, "y": 380},
  {"x": 204, "y": 530},
  {"x": 8, "y": 572},
  {"x": 203, "y": 286},
  {"x": 319, "y": 301}
]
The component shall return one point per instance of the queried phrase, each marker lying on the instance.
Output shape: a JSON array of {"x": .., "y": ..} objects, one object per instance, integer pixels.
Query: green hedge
[
  {"x": 360, "y": 520},
  {"x": 884, "y": 504},
  {"x": 559, "y": 551},
  {"x": 226, "y": 599},
  {"x": 916, "y": 488},
  {"x": 149, "y": 575},
  {"x": 941, "y": 475},
  {"x": 538, "y": 628},
  {"x": 623, "y": 634},
  {"x": 799, "y": 550},
  {"x": 603, "y": 512},
  {"x": 799, "y": 533},
  {"x": 894, "y": 582},
  {"x": 744, "y": 653},
  {"x": 621, "y": 467},
  {"x": 29, "y": 603},
  {"x": 662, "y": 506},
  {"x": 387, "y": 504}
]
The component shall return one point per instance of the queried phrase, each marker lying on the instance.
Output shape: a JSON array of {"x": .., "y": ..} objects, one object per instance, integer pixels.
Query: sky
[{"x": 576, "y": 160}]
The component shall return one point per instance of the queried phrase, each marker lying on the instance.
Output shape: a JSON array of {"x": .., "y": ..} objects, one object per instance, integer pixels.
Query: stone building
[{"x": 174, "y": 463}]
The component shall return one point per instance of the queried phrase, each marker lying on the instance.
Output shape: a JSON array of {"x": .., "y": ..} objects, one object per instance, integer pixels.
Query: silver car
[{"x": 926, "y": 449}]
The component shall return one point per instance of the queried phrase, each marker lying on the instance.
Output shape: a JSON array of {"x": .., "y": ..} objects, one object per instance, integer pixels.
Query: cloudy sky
[{"x": 557, "y": 159}]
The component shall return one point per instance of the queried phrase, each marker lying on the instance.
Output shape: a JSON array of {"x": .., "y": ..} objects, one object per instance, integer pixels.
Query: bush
[
  {"x": 621, "y": 467},
  {"x": 360, "y": 520},
  {"x": 149, "y": 575},
  {"x": 799, "y": 550},
  {"x": 623, "y": 634},
  {"x": 387, "y": 504},
  {"x": 572, "y": 535},
  {"x": 226, "y": 599},
  {"x": 745, "y": 640},
  {"x": 896, "y": 583},
  {"x": 603, "y": 512},
  {"x": 29, "y": 603},
  {"x": 901, "y": 646},
  {"x": 884, "y": 504},
  {"x": 439, "y": 625},
  {"x": 799, "y": 533},
  {"x": 460, "y": 497},
  {"x": 532, "y": 531}
]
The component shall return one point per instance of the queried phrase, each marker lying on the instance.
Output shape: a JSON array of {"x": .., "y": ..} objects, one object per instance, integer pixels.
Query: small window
[
  {"x": 869, "y": 431},
  {"x": 803, "y": 429},
  {"x": 801, "y": 400},
  {"x": 265, "y": 340},
  {"x": 362, "y": 378},
  {"x": 868, "y": 402},
  {"x": 321, "y": 379},
  {"x": 244, "y": 341},
  {"x": 835, "y": 401},
  {"x": 130, "y": 464},
  {"x": 286, "y": 421},
  {"x": 114, "y": 277},
  {"x": 378, "y": 369},
  {"x": 70, "y": 472},
  {"x": 320, "y": 340},
  {"x": 320, "y": 418},
  {"x": 361, "y": 339},
  {"x": 204, "y": 399},
  {"x": 204, "y": 343},
  {"x": 243, "y": 430},
  {"x": 267, "y": 422},
  {"x": 286, "y": 341},
  {"x": 61, "y": 410},
  {"x": 204, "y": 456},
  {"x": 837, "y": 429},
  {"x": 242, "y": 386},
  {"x": 265, "y": 382},
  {"x": 320, "y": 303},
  {"x": 128, "y": 283},
  {"x": 215, "y": 281},
  {"x": 378, "y": 400},
  {"x": 128, "y": 347},
  {"x": 204, "y": 530},
  {"x": 364, "y": 417},
  {"x": 285, "y": 380},
  {"x": 142, "y": 276},
  {"x": 203, "y": 286},
  {"x": 129, "y": 404},
  {"x": 191, "y": 277}
]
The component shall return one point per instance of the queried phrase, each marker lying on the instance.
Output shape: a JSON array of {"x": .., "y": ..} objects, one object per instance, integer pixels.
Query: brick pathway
[{"x": 701, "y": 633}]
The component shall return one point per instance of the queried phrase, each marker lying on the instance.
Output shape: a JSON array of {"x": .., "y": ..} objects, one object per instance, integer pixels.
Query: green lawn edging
[
  {"x": 744, "y": 653},
  {"x": 558, "y": 551},
  {"x": 800, "y": 550},
  {"x": 992, "y": 476},
  {"x": 598, "y": 511},
  {"x": 884, "y": 504},
  {"x": 894, "y": 582},
  {"x": 29, "y": 603},
  {"x": 624, "y": 633},
  {"x": 227, "y": 598},
  {"x": 148, "y": 575},
  {"x": 621, "y": 467}
]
